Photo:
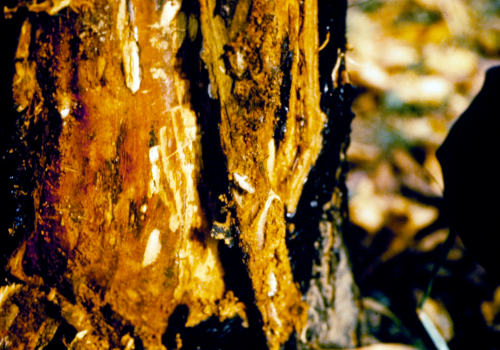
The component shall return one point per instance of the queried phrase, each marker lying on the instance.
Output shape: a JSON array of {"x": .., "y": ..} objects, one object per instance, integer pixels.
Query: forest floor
[{"x": 418, "y": 64}]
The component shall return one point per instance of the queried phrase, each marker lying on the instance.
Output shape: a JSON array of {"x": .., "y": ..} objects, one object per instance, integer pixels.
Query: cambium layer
[{"x": 121, "y": 234}]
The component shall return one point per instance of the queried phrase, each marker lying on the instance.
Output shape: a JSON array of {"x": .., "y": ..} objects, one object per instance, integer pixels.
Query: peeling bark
[{"x": 167, "y": 149}]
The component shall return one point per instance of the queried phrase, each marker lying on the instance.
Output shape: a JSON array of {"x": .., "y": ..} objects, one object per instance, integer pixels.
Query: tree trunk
[{"x": 178, "y": 176}]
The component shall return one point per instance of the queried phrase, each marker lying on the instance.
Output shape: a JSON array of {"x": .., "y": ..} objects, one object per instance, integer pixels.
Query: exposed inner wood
[
  {"x": 119, "y": 224},
  {"x": 249, "y": 93}
]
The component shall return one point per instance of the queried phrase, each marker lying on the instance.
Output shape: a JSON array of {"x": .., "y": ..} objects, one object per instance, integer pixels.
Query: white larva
[
  {"x": 241, "y": 180},
  {"x": 263, "y": 218}
]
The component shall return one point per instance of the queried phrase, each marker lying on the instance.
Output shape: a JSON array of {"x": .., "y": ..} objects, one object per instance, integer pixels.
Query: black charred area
[
  {"x": 237, "y": 279},
  {"x": 213, "y": 334},
  {"x": 64, "y": 335},
  {"x": 324, "y": 177},
  {"x": 17, "y": 209},
  {"x": 230, "y": 334},
  {"x": 291, "y": 343},
  {"x": 282, "y": 112},
  {"x": 214, "y": 176},
  {"x": 208, "y": 335},
  {"x": 176, "y": 325},
  {"x": 42, "y": 140}
]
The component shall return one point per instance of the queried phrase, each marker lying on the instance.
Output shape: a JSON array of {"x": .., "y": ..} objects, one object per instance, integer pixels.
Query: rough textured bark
[{"x": 166, "y": 152}]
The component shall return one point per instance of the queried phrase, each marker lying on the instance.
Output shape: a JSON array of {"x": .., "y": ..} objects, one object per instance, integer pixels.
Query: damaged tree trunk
[{"x": 179, "y": 175}]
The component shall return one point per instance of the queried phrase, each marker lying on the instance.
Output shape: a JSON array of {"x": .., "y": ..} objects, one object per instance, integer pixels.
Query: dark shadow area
[
  {"x": 291, "y": 344},
  {"x": 63, "y": 337},
  {"x": 286, "y": 84},
  {"x": 40, "y": 157},
  {"x": 323, "y": 179},
  {"x": 237, "y": 279},
  {"x": 213, "y": 334},
  {"x": 17, "y": 209},
  {"x": 210, "y": 334},
  {"x": 393, "y": 283},
  {"x": 176, "y": 325},
  {"x": 214, "y": 177}
]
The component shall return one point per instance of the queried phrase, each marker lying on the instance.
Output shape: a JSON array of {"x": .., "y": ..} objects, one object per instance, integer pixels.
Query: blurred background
[{"x": 418, "y": 64}]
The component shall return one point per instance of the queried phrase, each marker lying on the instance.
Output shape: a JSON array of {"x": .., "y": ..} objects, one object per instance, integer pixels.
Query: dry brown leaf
[
  {"x": 440, "y": 316},
  {"x": 384, "y": 178},
  {"x": 490, "y": 309},
  {"x": 366, "y": 209},
  {"x": 414, "y": 175},
  {"x": 359, "y": 153},
  {"x": 429, "y": 90},
  {"x": 456, "y": 64},
  {"x": 430, "y": 242}
]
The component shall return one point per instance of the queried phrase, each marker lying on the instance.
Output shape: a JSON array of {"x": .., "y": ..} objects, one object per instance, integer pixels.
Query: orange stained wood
[{"x": 117, "y": 200}]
